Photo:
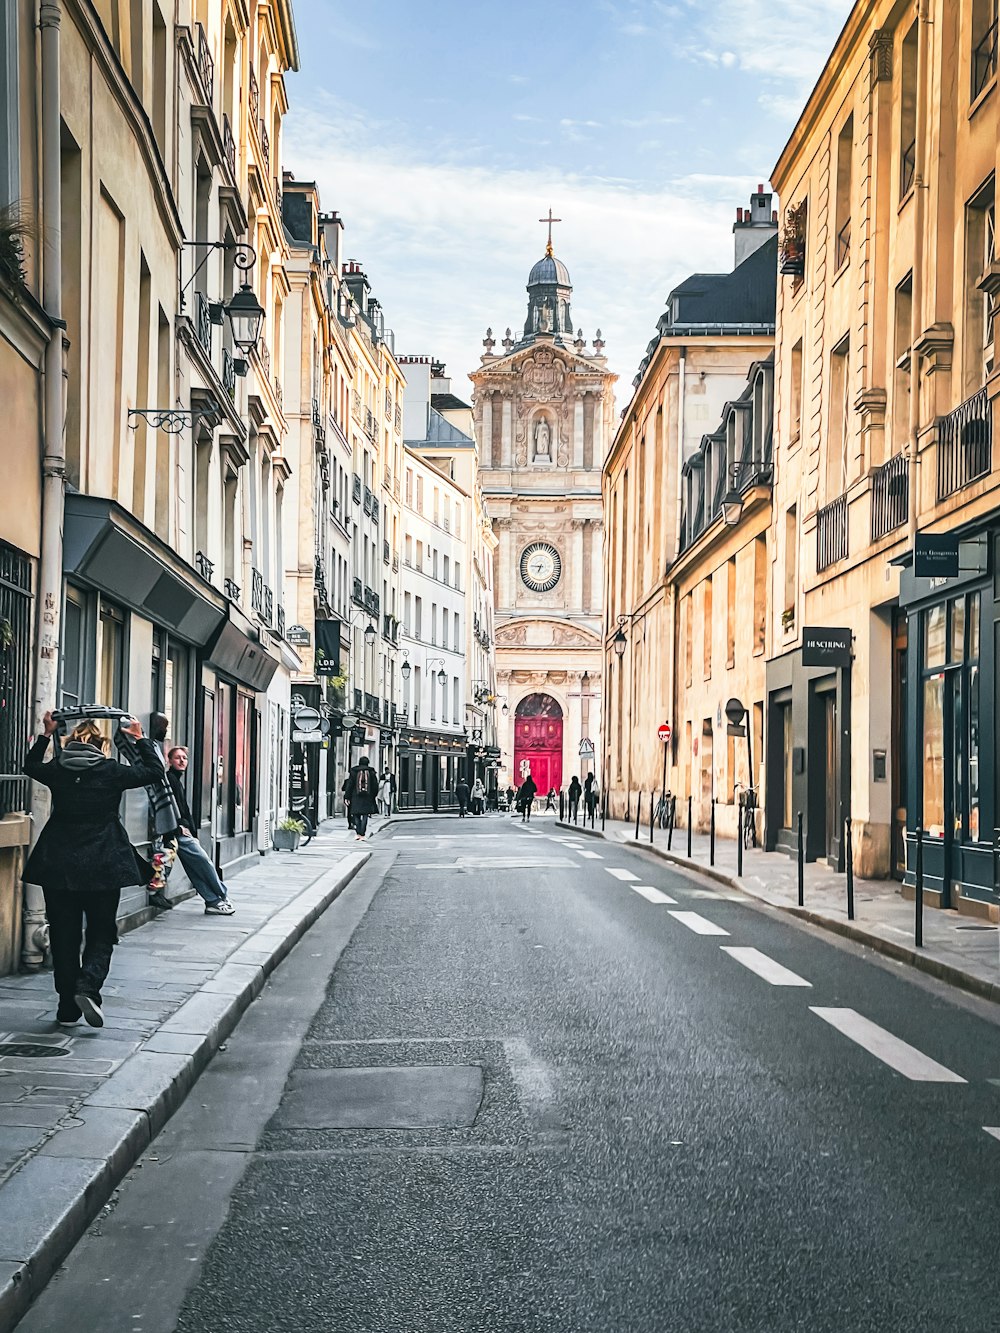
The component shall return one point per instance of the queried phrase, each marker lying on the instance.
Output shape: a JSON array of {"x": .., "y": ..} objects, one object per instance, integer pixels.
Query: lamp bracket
[
  {"x": 172, "y": 420},
  {"x": 243, "y": 254}
]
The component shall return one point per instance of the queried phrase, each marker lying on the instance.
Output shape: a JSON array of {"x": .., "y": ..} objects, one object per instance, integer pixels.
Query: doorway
[
  {"x": 831, "y": 767},
  {"x": 538, "y": 742},
  {"x": 897, "y": 740}
]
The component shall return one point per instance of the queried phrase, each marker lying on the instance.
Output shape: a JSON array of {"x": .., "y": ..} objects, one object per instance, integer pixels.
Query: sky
[{"x": 441, "y": 132}]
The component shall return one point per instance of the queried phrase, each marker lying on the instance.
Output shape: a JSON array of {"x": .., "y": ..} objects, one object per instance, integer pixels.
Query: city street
[{"x": 553, "y": 1084}]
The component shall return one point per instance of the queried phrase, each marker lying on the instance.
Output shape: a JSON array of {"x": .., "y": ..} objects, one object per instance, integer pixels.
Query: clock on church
[{"x": 540, "y": 567}]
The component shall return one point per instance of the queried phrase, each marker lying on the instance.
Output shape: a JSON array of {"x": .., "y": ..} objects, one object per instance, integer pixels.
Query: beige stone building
[
  {"x": 886, "y": 387},
  {"x": 544, "y": 411},
  {"x": 683, "y": 587}
]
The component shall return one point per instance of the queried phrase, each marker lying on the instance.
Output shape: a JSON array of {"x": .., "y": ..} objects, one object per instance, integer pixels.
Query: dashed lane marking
[
  {"x": 591, "y": 856},
  {"x": 699, "y": 924},
  {"x": 652, "y": 895},
  {"x": 897, "y": 1054},
  {"x": 625, "y": 875},
  {"x": 993, "y": 1129},
  {"x": 765, "y": 967}
]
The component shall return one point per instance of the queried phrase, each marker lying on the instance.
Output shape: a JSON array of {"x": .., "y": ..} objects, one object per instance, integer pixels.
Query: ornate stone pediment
[{"x": 539, "y": 633}]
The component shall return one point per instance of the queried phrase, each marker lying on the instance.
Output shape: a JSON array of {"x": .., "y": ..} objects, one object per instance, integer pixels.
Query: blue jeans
[{"x": 199, "y": 868}]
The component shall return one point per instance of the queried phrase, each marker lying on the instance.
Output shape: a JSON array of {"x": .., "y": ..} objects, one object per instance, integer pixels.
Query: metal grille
[
  {"x": 831, "y": 533},
  {"x": 890, "y": 495},
  {"x": 965, "y": 444},
  {"x": 15, "y": 675}
]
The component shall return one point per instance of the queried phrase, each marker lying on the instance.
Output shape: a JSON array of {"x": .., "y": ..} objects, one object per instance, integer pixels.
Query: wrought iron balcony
[
  {"x": 279, "y": 394},
  {"x": 385, "y": 553},
  {"x": 316, "y": 418},
  {"x": 228, "y": 373},
  {"x": 264, "y": 356},
  {"x": 831, "y": 533},
  {"x": 232, "y": 589},
  {"x": 376, "y": 508},
  {"x": 964, "y": 444},
  {"x": 203, "y": 565},
  {"x": 890, "y": 495},
  {"x": 356, "y": 489},
  {"x": 359, "y": 700},
  {"x": 261, "y": 598},
  {"x": 253, "y": 96},
  {"x": 203, "y": 321},
  {"x": 371, "y": 705},
  {"x": 228, "y": 143},
  {"x": 279, "y": 622},
  {"x": 368, "y": 501},
  {"x": 357, "y": 592},
  {"x": 370, "y": 598},
  {"x": 206, "y": 65},
  {"x": 395, "y": 562}
]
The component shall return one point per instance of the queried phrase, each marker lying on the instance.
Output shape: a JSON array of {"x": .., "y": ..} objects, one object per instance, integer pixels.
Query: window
[
  {"x": 417, "y": 612},
  {"x": 434, "y": 616},
  {"x": 112, "y": 670},
  {"x": 795, "y": 387},
  {"x": 420, "y": 495},
  {"x": 836, "y": 456},
  {"x": 457, "y": 640},
  {"x": 759, "y": 593},
  {"x": 434, "y": 563},
  {"x": 10, "y": 130},
  {"x": 407, "y": 612},
  {"x": 980, "y": 305},
  {"x": 845, "y": 154},
  {"x": 791, "y": 565},
  {"x": 787, "y": 765},
  {"x": 731, "y": 612},
  {"x": 687, "y": 634},
  {"x": 902, "y": 335},
  {"x": 984, "y": 45},
  {"x": 420, "y": 556},
  {"x": 408, "y": 550},
  {"x": 706, "y": 625},
  {"x": 454, "y": 701},
  {"x": 409, "y": 487},
  {"x": 908, "y": 111},
  {"x": 446, "y": 572},
  {"x": 74, "y": 656}
]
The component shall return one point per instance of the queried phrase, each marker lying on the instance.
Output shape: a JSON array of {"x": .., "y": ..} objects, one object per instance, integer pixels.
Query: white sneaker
[
  {"x": 222, "y": 908},
  {"x": 90, "y": 1007}
]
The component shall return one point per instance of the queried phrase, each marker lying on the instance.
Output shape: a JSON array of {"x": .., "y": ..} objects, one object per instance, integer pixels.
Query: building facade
[
  {"x": 544, "y": 411},
  {"x": 886, "y": 391},
  {"x": 673, "y": 593}
]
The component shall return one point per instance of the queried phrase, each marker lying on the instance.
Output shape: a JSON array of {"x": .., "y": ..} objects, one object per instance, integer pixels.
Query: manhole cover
[
  {"x": 383, "y": 1097},
  {"x": 26, "y": 1050}
]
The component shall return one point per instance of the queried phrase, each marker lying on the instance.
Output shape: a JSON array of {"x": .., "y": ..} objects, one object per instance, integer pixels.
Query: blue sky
[{"x": 441, "y": 132}]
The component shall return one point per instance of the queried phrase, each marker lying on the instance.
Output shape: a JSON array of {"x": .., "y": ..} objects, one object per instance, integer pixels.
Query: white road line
[
  {"x": 765, "y": 967},
  {"x": 699, "y": 924},
  {"x": 591, "y": 856},
  {"x": 993, "y": 1129},
  {"x": 898, "y": 1055},
  {"x": 621, "y": 874},
  {"x": 652, "y": 895}
]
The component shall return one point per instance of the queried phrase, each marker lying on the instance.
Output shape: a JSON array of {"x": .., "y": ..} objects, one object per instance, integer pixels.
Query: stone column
[
  {"x": 505, "y": 591},
  {"x": 578, "y": 432},
  {"x": 486, "y": 432},
  {"x": 573, "y": 730},
  {"x": 598, "y": 431},
  {"x": 506, "y": 446},
  {"x": 577, "y": 528}
]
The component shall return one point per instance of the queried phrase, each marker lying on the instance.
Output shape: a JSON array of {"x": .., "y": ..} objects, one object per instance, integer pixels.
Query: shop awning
[{"x": 237, "y": 651}]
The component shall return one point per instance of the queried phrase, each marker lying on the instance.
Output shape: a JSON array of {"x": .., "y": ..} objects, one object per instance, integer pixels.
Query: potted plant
[
  {"x": 287, "y": 834},
  {"x": 793, "y": 241},
  {"x": 788, "y": 617},
  {"x": 15, "y": 228}
]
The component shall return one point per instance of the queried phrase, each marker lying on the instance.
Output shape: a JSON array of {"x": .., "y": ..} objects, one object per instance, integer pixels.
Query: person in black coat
[
  {"x": 575, "y": 792},
  {"x": 362, "y": 793},
  {"x": 83, "y": 858},
  {"x": 462, "y": 796},
  {"x": 526, "y": 794}
]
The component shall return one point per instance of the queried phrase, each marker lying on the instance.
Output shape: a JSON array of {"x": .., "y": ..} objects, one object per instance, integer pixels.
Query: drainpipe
[
  {"x": 681, "y": 381},
  {"x": 916, "y": 321},
  {"x": 674, "y": 606},
  {"x": 49, "y": 597}
]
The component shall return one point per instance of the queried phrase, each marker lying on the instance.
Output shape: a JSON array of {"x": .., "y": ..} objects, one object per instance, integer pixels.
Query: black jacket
[
  {"x": 84, "y": 845},
  {"x": 176, "y": 780},
  {"x": 575, "y": 790},
  {"x": 362, "y": 802},
  {"x": 462, "y": 790}
]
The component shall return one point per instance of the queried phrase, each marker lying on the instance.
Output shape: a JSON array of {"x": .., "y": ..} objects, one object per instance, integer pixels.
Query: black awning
[
  {"x": 237, "y": 651},
  {"x": 105, "y": 546}
]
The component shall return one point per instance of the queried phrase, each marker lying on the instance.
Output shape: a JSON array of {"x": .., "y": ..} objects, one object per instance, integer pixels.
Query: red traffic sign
[{"x": 663, "y": 732}]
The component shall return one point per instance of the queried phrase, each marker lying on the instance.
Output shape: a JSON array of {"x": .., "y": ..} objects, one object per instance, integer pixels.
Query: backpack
[{"x": 363, "y": 782}]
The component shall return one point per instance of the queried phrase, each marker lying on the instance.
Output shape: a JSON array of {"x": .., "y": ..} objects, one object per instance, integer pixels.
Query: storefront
[
  {"x": 953, "y": 779},
  {"x": 430, "y": 766}
]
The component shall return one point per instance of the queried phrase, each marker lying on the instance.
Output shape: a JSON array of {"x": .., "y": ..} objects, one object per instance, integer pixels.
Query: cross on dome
[{"x": 550, "y": 219}]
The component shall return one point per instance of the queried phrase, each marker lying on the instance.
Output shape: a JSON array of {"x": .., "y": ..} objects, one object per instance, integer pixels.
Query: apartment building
[{"x": 881, "y": 682}]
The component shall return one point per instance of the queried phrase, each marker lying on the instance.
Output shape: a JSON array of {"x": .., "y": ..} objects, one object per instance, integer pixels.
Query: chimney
[
  {"x": 332, "y": 227},
  {"x": 755, "y": 225}
]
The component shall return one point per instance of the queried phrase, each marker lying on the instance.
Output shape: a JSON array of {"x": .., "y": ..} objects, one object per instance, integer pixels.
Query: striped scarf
[{"x": 163, "y": 807}]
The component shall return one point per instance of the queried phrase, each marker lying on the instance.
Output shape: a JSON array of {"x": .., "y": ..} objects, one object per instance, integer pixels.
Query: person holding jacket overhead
[{"x": 83, "y": 858}]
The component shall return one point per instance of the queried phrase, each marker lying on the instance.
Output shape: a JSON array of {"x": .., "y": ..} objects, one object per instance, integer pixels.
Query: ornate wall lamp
[{"x": 244, "y": 312}]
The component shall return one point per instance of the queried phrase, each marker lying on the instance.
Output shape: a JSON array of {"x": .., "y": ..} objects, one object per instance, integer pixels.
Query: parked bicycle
[
  {"x": 747, "y": 797},
  {"x": 301, "y": 813},
  {"x": 666, "y": 803}
]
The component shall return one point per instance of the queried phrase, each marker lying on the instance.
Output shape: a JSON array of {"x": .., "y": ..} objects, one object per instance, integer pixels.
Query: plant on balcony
[
  {"x": 793, "y": 240},
  {"x": 15, "y": 228},
  {"x": 788, "y": 616}
]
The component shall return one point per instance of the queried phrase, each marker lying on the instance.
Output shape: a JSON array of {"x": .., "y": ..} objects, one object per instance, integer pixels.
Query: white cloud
[{"x": 447, "y": 246}]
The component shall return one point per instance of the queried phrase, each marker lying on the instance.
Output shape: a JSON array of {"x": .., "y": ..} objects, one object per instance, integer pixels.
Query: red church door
[{"x": 538, "y": 742}]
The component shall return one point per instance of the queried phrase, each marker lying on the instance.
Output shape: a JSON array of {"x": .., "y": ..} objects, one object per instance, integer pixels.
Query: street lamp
[
  {"x": 246, "y": 315},
  {"x": 370, "y": 633},
  {"x": 442, "y": 675},
  {"x": 620, "y": 642},
  {"x": 405, "y": 669},
  {"x": 732, "y": 501}
]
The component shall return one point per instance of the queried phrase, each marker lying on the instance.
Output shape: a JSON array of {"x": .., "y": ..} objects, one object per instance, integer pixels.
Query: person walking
[
  {"x": 197, "y": 863},
  {"x": 526, "y": 794},
  {"x": 550, "y": 800},
  {"x": 362, "y": 791},
  {"x": 385, "y": 795},
  {"x": 590, "y": 795},
  {"x": 478, "y": 797},
  {"x": 83, "y": 857},
  {"x": 575, "y": 792},
  {"x": 462, "y": 796}
]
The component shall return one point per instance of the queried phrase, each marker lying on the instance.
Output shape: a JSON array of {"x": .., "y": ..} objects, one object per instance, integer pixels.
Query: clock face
[{"x": 540, "y": 567}]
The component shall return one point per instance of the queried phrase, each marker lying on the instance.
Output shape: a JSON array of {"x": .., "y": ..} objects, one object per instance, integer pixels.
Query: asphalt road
[{"x": 534, "y": 1095}]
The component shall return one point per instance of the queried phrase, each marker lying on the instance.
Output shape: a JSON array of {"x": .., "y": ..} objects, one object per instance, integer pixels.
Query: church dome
[{"x": 549, "y": 270}]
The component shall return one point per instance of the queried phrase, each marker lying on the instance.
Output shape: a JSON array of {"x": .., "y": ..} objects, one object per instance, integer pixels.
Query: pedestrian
[
  {"x": 590, "y": 795},
  {"x": 575, "y": 792},
  {"x": 511, "y": 795},
  {"x": 525, "y": 797},
  {"x": 462, "y": 796},
  {"x": 362, "y": 791},
  {"x": 196, "y": 861},
  {"x": 384, "y": 795},
  {"x": 550, "y": 800},
  {"x": 478, "y": 797},
  {"x": 83, "y": 857}
]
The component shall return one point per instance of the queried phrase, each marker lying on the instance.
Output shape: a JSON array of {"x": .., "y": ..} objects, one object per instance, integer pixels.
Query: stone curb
[
  {"x": 56, "y": 1195},
  {"x": 901, "y": 953}
]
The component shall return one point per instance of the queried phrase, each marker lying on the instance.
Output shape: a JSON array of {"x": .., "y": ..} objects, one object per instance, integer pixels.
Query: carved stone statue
[
  {"x": 545, "y": 319},
  {"x": 543, "y": 441}
]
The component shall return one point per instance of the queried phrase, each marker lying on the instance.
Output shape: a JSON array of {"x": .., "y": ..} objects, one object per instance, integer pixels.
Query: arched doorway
[{"x": 538, "y": 741}]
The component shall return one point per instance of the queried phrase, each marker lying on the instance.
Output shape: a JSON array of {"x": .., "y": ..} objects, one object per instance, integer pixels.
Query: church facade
[{"x": 544, "y": 414}]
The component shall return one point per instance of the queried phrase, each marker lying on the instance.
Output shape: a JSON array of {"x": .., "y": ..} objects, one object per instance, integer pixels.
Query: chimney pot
[{"x": 760, "y": 189}]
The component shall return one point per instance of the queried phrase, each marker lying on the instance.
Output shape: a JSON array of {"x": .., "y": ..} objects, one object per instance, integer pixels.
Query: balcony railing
[
  {"x": 369, "y": 423},
  {"x": 984, "y": 60},
  {"x": 831, "y": 533},
  {"x": 359, "y": 700},
  {"x": 907, "y": 167},
  {"x": 399, "y": 418},
  {"x": 370, "y": 598},
  {"x": 265, "y": 149},
  {"x": 228, "y": 373},
  {"x": 964, "y": 445},
  {"x": 368, "y": 501},
  {"x": 264, "y": 354},
  {"x": 261, "y": 598},
  {"x": 371, "y": 705},
  {"x": 395, "y": 562},
  {"x": 232, "y": 589},
  {"x": 385, "y": 553},
  {"x": 228, "y": 143},
  {"x": 279, "y": 394},
  {"x": 890, "y": 496},
  {"x": 316, "y": 417},
  {"x": 202, "y": 321},
  {"x": 254, "y": 96},
  {"x": 357, "y": 592},
  {"x": 206, "y": 65},
  {"x": 356, "y": 489},
  {"x": 376, "y": 508},
  {"x": 203, "y": 565},
  {"x": 843, "y": 251},
  {"x": 279, "y": 622}
]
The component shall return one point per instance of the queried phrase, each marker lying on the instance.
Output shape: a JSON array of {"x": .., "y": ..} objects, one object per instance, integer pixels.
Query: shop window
[
  {"x": 934, "y": 637},
  {"x": 74, "y": 654},
  {"x": 207, "y": 790},
  {"x": 787, "y": 768},
  {"x": 112, "y": 671},
  {"x": 933, "y": 756}
]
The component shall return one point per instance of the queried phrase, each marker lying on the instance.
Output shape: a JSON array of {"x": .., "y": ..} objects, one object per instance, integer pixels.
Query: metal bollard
[
  {"x": 802, "y": 863},
  {"x": 690, "y": 800},
  {"x": 562, "y": 810},
  {"x": 604, "y": 813},
  {"x": 739, "y": 839},
  {"x": 849, "y": 864},
  {"x": 652, "y": 814},
  {"x": 670, "y": 826},
  {"x": 996, "y": 861},
  {"x": 919, "y": 891},
  {"x": 711, "y": 836},
  {"x": 638, "y": 812}
]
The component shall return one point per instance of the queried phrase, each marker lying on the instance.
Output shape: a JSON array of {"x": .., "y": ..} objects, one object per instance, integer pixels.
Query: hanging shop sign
[
  {"x": 298, "y": 636},
  {"x": 824, "y": 646},
  {"x": 935, "y": 556}
]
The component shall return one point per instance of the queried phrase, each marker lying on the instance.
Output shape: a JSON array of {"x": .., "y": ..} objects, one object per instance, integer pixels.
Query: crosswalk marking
[
  {"x": 621, "y": 874},
  {"x": 765, "y": 967},
  {"x": 652, "y": 895},
  {"x": 993, "y": 1129},
  {"x": 591, "y": 856},
  {"x": 699, "y": 924},
  {"x": 897, "y": 1054}
]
